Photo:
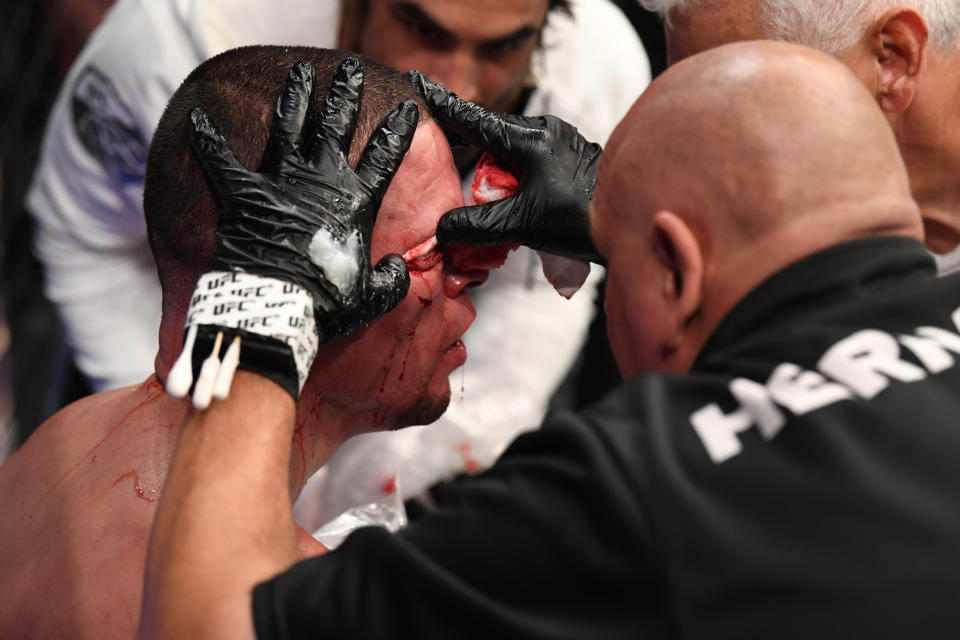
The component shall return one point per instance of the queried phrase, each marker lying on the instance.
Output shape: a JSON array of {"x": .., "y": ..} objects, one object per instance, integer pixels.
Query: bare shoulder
[
  {"x": 74, "y": 434},
  {"x": 76, "y": 504}
]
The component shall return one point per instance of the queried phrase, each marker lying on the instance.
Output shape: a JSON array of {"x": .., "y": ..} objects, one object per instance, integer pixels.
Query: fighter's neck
[{"x": 322, "y": 427}]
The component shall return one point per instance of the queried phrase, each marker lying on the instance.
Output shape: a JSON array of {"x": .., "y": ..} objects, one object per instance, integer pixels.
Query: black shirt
[{"x": 803, "y": 481}]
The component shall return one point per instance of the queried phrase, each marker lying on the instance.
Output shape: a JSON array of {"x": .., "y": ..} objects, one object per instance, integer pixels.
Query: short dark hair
[{"x": 238, "y": 89}]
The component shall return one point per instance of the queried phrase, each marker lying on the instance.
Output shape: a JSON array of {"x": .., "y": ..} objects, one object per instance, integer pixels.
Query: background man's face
[
  {"x": 480, "y": 49},
  {"x": 398, "y": 367}
]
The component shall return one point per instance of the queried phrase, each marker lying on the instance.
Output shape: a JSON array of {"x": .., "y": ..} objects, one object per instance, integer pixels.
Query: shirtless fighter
[{"x": 77, "y": 500}]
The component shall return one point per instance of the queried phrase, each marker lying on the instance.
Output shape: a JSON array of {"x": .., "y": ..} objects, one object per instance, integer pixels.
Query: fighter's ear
[
  {"x": 677, "y": 249},
  {"x": 900, "y": 44}
]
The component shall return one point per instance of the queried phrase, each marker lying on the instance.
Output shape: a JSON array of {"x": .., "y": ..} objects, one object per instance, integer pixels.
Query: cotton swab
[
  {"x": 181, "y": 374},
  {"x": 221, "y": 388},
  {"x": 203, "y": 392}
]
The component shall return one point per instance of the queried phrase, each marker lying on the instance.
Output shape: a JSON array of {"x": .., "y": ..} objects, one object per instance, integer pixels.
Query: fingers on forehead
[
  {"x": 387, "y": 147},
  {"x": 342, "y": 104},
  {"x": 293, "y": 105}
]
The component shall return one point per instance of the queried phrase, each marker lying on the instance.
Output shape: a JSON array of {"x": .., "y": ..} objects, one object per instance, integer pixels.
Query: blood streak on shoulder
[
  {"x": 137, "y": 489},
  {"x": 154, "y": 392}
]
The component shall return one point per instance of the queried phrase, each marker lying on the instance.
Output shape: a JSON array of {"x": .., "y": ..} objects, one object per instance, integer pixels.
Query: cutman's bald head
[{"x": 730, "y": 167}]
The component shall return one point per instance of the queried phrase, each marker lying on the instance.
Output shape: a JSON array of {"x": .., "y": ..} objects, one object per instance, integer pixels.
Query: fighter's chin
[
  {"x": 430, "y": 404},
  {"x": 425, "y": 410}
]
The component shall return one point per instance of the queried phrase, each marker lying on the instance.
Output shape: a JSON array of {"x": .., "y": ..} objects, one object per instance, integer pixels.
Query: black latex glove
[
  {"x": 291, "y": 267},
  {"x": 305, "y": 190},
  {"x": 556, "y": 167}
]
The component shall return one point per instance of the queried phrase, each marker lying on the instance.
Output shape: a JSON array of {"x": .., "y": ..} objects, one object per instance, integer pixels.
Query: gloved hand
[
  {"x": 291, "y": 267},
  {"x": 557, "y": 168}
]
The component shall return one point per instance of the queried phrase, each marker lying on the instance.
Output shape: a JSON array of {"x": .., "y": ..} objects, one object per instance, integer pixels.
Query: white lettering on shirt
[
  {"x": 718, "y": 431},
  {"x": 866, "y": 361},
  {"x": 930, "y": 347},
  {"x": 862, "y": 364},
  {"x": 804, "y": 391}
]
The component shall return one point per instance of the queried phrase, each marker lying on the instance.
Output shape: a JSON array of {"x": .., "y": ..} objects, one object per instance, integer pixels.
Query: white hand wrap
[
  {"x": 232, "y": 300},
  {"x": 265, "y": 306}
]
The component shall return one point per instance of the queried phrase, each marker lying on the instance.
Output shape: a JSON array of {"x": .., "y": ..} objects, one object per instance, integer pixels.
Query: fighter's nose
[{"x": 454, "y": 283}]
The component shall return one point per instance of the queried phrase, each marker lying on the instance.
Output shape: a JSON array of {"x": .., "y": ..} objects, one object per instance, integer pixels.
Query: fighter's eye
[
  {"x": 427, "y": 261},
  {"x": 425, "y": 256}
]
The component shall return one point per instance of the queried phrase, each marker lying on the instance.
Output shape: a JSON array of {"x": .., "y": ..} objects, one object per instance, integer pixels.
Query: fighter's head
[
  {"x": 392, "y": 373},
  {"x": 728, "y": 168},
  {"x": 906, "y": 52},
  {"x": 480, "y": 49}
]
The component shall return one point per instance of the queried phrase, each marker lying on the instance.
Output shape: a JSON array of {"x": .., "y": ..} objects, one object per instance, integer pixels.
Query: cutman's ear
[
  {"x": 899, "y": 42},
  {"x": 681, "y": 286}
]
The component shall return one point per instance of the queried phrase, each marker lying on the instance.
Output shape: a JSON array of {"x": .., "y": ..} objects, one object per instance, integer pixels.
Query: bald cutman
[
  {"x": 907, "y": 54},
  {"x": 780, "y": 462}
]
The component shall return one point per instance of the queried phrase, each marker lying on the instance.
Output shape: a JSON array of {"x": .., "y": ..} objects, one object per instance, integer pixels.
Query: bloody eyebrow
[{"x": 415, "y": 13}]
